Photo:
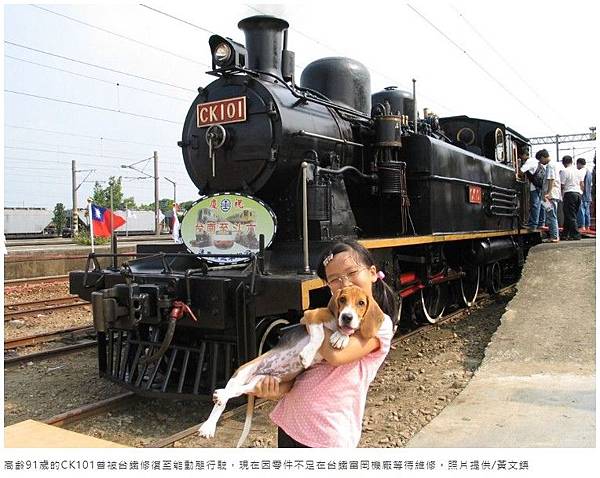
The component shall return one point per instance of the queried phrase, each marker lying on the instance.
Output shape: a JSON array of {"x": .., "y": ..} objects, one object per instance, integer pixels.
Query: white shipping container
[
  {"x": 137, "y": 221},
  {"x": 26, "y": 220}
]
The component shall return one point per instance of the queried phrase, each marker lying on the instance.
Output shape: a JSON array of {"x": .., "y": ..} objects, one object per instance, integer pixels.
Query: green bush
[{"x": 83, "y": 238}]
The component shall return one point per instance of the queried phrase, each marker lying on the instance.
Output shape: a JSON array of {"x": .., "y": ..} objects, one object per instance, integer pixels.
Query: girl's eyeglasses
[{"x": 340, "y": 280}]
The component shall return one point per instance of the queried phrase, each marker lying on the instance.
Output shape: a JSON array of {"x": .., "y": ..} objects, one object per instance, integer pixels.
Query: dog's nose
[{"x": 346, "y": 318}]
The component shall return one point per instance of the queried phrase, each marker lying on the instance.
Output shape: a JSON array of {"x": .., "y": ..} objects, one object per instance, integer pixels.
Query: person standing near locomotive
[
  {"x": 571, "y": 187},
  {"x": 552, "y": 196},
  {"x": 534, "y": 169},
  {"x": 583, "y": 216},
  {"x": 324, "y": 406}
]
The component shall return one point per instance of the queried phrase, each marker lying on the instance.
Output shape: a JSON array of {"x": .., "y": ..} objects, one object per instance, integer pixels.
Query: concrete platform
[
  {"x": 55, "y": 257},
  {"x": 536, "y": 386}
]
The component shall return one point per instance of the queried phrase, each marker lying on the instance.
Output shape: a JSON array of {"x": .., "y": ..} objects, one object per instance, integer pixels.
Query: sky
[{"x": 108, "y": 84}]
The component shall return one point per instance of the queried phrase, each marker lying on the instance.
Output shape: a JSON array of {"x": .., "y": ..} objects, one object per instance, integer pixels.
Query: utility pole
[
  {"x": 174, "y": 189},
  {"x": 74, "y": 218},
  {"x": 156, "y": 178},
  {"x": 75, "y": 187},
  {"x": 156, "y": 208}
]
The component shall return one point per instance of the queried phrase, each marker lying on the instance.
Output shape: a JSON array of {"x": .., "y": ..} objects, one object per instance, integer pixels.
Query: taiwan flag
[{"x": 101, "y": 217}]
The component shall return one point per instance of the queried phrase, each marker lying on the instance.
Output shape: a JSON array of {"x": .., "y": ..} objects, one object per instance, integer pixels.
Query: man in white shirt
[
  {"x": 552, "y": 195},
  {"x": 530, "y": 167},
  {"x": 572, "y": 186}
]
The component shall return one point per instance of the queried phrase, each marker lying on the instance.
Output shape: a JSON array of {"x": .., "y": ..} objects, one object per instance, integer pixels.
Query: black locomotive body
[{"x": 437, "y": 200}]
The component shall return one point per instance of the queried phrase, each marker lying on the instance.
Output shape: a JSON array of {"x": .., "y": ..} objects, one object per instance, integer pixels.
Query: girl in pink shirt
[{"x": 324, "y": 406}]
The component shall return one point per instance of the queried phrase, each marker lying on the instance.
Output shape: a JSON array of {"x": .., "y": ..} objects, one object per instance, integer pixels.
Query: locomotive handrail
[
  {"x": 304, "y": 167},
  {"x": 293, "y": 91},
  {"x": 468, "y": 183},
  {"x": 342, "y": 170},
  {"x": 327, "y": 138},
  {"x": 503, "y": 195},
  {"x": 510, "y": 202}
]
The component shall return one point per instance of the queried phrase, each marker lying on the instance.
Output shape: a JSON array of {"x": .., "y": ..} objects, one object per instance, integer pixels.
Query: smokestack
[{"x": 264, "y": 42}]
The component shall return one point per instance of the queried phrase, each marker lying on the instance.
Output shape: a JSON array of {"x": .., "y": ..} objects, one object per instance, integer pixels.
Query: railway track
[
  {"x": 46, "y": 337},
  {"x": 74, "y": 333},
  {"x": 16, "y": 283},
  {"x": 89, "y": 410},
  {"x": 96, "y": 408},
  {"x": 24, "y": 309}
]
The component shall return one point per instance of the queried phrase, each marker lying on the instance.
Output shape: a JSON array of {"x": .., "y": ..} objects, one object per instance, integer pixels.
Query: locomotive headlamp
[
  {"x": 226, "y": 53},
  {"x": 222, "y": 54}
]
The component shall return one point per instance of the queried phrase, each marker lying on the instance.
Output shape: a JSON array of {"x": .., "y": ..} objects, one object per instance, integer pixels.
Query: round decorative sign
[{"x": 227, "y": 223}]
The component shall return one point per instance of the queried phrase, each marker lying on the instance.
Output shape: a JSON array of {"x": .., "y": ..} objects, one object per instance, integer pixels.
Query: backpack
[{"x": 538, "y": 177}]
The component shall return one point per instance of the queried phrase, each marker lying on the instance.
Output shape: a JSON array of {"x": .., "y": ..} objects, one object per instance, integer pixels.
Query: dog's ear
[
  {"x": 333, "y": 303},
  {"x": 372, "y": 320},
  {"x": 316, "y": 316}
]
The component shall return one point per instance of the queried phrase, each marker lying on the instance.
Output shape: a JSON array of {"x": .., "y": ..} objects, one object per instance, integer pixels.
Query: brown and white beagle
[{"x": 349, "y": 310}]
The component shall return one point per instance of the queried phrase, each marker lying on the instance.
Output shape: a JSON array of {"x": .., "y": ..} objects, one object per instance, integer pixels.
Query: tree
[
  {"x": 165, "y": 205},
  {"x": 60, "y": 217},
  {"x": 101, "y": 196},
  {"x": 128, "y": 203},
  {"x": 185, "y": 206}
]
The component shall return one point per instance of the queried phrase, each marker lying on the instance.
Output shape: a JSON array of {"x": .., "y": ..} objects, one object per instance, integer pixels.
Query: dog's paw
[
  {"x": 220, "y": 397},
  {"x": 339, "y": 340},
  {"x": 307, "y": 356},
  {"x": 207, "y": 430}
]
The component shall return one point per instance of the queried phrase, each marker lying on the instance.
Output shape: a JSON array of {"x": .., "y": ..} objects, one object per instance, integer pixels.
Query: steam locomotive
[{"x": 282, "y": 170}]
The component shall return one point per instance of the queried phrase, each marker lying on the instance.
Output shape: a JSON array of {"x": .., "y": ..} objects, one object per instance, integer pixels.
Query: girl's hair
[{"x": 382, "y": 293}]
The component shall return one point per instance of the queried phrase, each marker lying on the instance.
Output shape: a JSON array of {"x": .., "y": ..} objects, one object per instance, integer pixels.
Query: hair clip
[
  {"x": 380, "y": 275},
  {"x": 328, "y": 259}
]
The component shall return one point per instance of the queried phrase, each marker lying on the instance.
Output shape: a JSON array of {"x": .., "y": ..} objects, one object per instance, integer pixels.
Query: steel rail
[
  {"x": 11, "y": 314},
  {"x": 34, "y": 280},
  {"x": 89, "y": 410},
  {"x": 165, "y": 442},
  {"x": 49, "y": 352},
  {"x": 44, "y": 337}
]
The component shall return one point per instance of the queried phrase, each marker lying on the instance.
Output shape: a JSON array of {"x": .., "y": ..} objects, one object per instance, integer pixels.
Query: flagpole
[
  {"x": 112, "y": 230},
  {"x": 91, "y": 218}
]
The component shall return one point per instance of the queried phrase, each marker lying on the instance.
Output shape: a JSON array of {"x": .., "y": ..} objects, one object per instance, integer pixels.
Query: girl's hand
[{"x": 268, "y": 387}]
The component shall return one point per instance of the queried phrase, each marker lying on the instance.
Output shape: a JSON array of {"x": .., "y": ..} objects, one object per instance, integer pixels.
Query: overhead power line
[
  {"x": 507, "y": 63},
  {"x": 101, "y": 108},
  {"x": 78, "y": 147},
  {"x": 178, "y": 19},
  {"x": 338, "y": 52},
  {"x": 468, "y": 55},
  {"x": 102, "y": 138},
  {"x": 62, "y": 57},
  {"x": 194, "y": 25},
  {"x": 66, "y": 152},
  {"x": 113, "y": 83},
  {"x": 154, "y": 47}
]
